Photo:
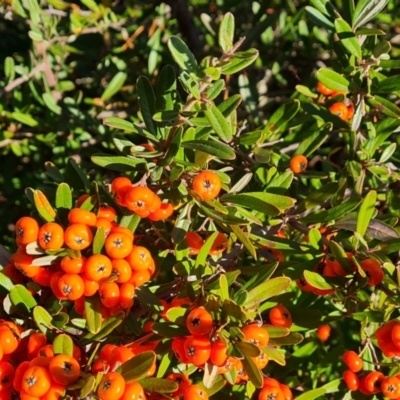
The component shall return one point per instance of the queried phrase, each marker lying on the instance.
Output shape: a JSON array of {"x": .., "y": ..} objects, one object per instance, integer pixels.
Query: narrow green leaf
[
  {"x": 239, "y": 61},
  {"x": 169, "y": 330},
  {"x": 266, "y": 290},
  {"x": 98, "y": 241},
  {"x": 205, "y": 250},
  {"x": 367, "y": 210},
  {"x": 116, "y": 163},
  {"x": 120, "y": 123},
  {"x": 219, "y": 123},
  {"x": 5, "y": 281},
  {"x": 319, "y": 18},
  {"x": 276, "y": 331},
  {"x": 389, "y": 85},
  {"x": 221, "y": 217},
  {"x": 147, "y": 102},
  {"x": 385, "y": 106},
  {"x": 244, "y": 239},
  {"x": 63, "y": 196},
  {"x": 137, "y": 367},
  {"x": 107, "y": 327},
  {"x": 114, "y": 86},
  {"x": 51, "y": 103},
  {"x": 311, "y": 394},
  {"x": 63, "y": 344},
  {"x": 148, "y": 299},
  {"x": 289, "y": 340},
  {"x": 252, "y": 371},
  {"x": 42, "y": 319},
  {"x": 182, "y": 55},
  {"x": 248, "y": 349},
  {"x": 226, "y": 32},
  {"x": 347, "y": 38},
  {"x": 211, "y": 147},
  {"x": 21, "y": 298},
  {"x": 167, "y": 96},
  {"x": 316, "y": 280},
  {"x": 93, "y": 313},
  {"x": 332, "y": 80},
  {"x": 314, "y": 141},
  {"x": 367, "y": 10},
  {"x": 280, "y": 118},
  {"x": 267, "y": 203},
  {"x": 159, "y": 385}
]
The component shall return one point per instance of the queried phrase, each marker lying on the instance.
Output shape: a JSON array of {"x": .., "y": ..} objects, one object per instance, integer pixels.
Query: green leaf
[
  {"x": 266, "y": 203},
  {"x": 314, "y": 141},
  {"x": 333, "y": 213},
  {"x": 42, "y": 319},
  {"x": 274, "y": 354},
  {"x": 107, "y": 327},
  {"x": 289, "y": 340},
  {"x": 276, "y": 331},
  {"x": 221, "y": 217},
  {"x": 389, "y": 85},
  {"x": 93, "y": 313},
  {"x": 120, "y": 123},
  {"x": 114, "y": 85},
  {"x": 318, "y": 197},
  {"x": 366, "y": 212},
  {"x": 116, "y": 163},
  {"x": 219, "y": 123},
  {"x": 316, "y": 280},
  {"x": 88, "y": 387},
  {"x": 51, "y": 103},
  {"x": 98, "y": 241},
  {"x": 24, "y": 118},
  {"x": 211, "y": 147},
  {"x": 159, "y": 385},
  {"x": 166, "y": 116},
  {"x": 347, "y": 38},
  {"x": 384, "y": 106},
  {"x": 305, "y": 90},
  {"x": 173, "y": 148},
  {"x": 319, "y": 18},
  {"x": 367, "y": 10},
  {"x": 332, "y": 80},
  {"x": 266, "y": 290},
  {"x": 311, "y": 394},
  {"x": 63, "y": 344},
  {"x": 239, "y": 61},
  {"x": 244, "y": 239},
  {"x": 147, "y": 102},
  {"x": 21, "y": 298},
  {"x": 369, "y": 32},
  {"x": 248, "y": 349},
  {"x": 252, "y": 371},
  {"x": 138, "y": 366},
  {"x": 226, "y": 32},
  {"x": 280, "y": 118},
  {"x": 63, "y": 196},
  {"x": 205, "y": 250},
  {"x": 5, "y": 282},
  {"x": 167, "y": 96},
  {"x": 182, "y": 55}
]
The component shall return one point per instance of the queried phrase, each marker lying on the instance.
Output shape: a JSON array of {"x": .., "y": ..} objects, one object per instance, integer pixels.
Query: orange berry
[
  {"x": 339, "y": 109},
  {"x": 164, "y": 212},
  {"x": 199, "y": 321},
  {"x": 323, "y": 332},
  {"x": 71, "y": 286},
  {"x": 207, "y": 184},
  {"x": 64, "y": 369},
  {"x": 255, "y": 334},
  {"x": 118, "y": 245},
  {"x": 280, "y": 316},
  {"x": 194, "y": 242},
  {"x": 109, "y": 294},
  {"x": 36, "y": 381},
  {"x": 323, "y": 89},
  {"x": 78, "y": 236},
  {"x": 298, "y": 164},
  {"x": 51, "y": 236},
  {"x": 111, "y": 387},
  {"x": 373, "y": 271},
  {"x": 26, "y": 230},
  {"x": 195, "y": 392},
  {"x": 81, "y": 216},
  {"x": 98, "y": 268},
  {"x": 220, "y": 244}
]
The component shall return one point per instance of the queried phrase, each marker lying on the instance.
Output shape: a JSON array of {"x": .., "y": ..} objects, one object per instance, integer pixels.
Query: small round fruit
[
  {"x": 353, "y": 361},
  {"x": 207, "y": 184},
  {"x": 323, "y": 332},
  {"x": 220, "y": 244},
  {"x": 195, "y": 242},
  {"x": 323, "y": 89},
  {"x": 390, "y": 387},
  {"x": 271, "y": 393},
  {"x": 64, "y": 369},
  {"x": 36, "y": 381},
  {"x": 111, "y": 387},
  {"x": 26, "y": 230},
  {"x": 199, "y": 321},
  {"x": 373, "y": 271},
  {"x": 195, "y": 392},
  {"x": 51, "y": 236},
  {"x": 339, "y": 109},
  {"x": 255, "y": 334},
  {"x": 280, "y": 316},
  {"x": 298, "y": 164},
  {"x": 351, "y": 380}
]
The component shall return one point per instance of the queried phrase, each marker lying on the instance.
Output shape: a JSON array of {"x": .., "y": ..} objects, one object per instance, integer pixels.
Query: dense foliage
[{"x": 199, "y": 199}]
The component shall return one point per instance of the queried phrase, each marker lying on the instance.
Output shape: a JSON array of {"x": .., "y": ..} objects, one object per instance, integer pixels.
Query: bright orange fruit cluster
[
  {"x": 372, "y": 382},
  {"x": 140, "y": 199},
  {"x": 79, "y": 271}
]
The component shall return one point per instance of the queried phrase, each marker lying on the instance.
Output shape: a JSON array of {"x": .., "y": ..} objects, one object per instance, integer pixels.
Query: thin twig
[{"x": 22, "y": 79}]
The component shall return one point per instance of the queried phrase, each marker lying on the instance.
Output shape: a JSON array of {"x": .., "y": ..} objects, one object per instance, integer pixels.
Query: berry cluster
[
  {"x": 370, "y": 383},
  {"x": 78, "y": 269},
  {"x": 343, "y": 109}
]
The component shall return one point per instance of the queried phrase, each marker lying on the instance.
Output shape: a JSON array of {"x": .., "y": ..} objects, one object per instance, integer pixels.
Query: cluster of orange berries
[
  {"x": 140, "y": 199},
  {"x": 329, "y": 268},
  {"x": 344, "y": 110},
  {"x": 202, "y": 345},
  {"x": 29, "y": 366},
  {"x": 371, "y": 383},
  {"x": 79, "y": 271}
]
